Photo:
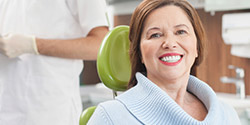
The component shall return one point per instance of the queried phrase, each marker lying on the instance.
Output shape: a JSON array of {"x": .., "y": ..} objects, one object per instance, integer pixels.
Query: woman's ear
[
  {"x": 196, "y": 54},
  {"x": 142, "y": 60}
]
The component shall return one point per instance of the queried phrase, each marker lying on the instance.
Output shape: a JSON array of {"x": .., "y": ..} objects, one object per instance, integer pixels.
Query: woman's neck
[{"x": 175, "y": 88}]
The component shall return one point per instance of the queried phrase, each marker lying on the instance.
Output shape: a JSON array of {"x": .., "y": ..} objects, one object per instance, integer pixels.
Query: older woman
[{"x": 167, "y": 39}]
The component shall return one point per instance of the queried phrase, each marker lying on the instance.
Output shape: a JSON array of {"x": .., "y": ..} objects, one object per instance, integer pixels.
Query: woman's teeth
[{"x": 171, "y": 58}]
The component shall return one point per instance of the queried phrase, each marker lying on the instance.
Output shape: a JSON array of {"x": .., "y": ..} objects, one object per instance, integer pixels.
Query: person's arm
[
  {"x": 82, "y": 48},
  {"x": 86, "y": 48}
]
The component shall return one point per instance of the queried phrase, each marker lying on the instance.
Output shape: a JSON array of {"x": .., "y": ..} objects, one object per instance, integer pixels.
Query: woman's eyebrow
[
  {"x": 152, "y": 28},
  {"x": 181, "y": 25}
]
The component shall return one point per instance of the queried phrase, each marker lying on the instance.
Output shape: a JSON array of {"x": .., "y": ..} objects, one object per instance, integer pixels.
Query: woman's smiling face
[{"x": 168, "y": 44}]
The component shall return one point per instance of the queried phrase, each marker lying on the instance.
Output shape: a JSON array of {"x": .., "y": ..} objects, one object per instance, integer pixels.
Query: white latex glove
[{"x": 13, "y": 45}]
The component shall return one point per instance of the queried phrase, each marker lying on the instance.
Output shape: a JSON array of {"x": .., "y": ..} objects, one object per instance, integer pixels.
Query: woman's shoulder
[
  {"x": 230, "y": 112},
  {"x": 112, "y": 112},
  {"x": 112, "y": 105},
  {"x": 114, "y": 108},
  {"x": 104, "y": 113}
]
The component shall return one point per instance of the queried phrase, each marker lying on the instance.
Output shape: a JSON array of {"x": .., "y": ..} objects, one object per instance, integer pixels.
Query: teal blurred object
[
  {"x": 113, "y": 63},
  {"x": 86, "y": 114}
]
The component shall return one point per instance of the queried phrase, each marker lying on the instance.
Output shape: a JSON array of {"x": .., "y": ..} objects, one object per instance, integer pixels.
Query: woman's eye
[
  {"x": 179, "y": 32},
  {"x": 156, "y": 35}
]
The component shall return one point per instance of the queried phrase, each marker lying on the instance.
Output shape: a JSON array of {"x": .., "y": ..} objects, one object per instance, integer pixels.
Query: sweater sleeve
[{"x": 100, "y": 117}]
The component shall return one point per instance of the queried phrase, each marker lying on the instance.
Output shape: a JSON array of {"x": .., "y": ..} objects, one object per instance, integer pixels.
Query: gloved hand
[{"x": 13, "y": 45}]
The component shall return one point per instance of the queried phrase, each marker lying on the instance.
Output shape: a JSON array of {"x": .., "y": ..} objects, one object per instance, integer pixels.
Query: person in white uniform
[{"x": 42, "y": 45}]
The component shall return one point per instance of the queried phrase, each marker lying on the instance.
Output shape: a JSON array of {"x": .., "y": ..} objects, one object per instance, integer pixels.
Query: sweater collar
[{"x": 151, "y": 105}]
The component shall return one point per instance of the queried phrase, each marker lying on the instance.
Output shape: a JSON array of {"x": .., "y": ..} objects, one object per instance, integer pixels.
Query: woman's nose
[{"x": 169, "y": 43}]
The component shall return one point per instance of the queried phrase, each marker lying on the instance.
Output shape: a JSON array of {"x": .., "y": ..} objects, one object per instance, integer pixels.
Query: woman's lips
[{"x": 171, "y": 59}]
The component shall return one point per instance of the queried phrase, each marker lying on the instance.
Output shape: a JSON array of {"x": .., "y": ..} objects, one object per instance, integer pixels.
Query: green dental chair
[{"x": 113, "y": 64}]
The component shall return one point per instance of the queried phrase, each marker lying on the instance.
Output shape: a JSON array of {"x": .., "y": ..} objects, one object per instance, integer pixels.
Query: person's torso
[{"x": 34, "y": 85}]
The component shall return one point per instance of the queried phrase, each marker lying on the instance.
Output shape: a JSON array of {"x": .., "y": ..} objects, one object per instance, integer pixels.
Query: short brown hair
[{"x": 136, "y": 27}]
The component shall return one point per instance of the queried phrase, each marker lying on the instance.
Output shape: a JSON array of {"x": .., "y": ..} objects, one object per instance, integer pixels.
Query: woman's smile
[{"x": 171, "y": 59}]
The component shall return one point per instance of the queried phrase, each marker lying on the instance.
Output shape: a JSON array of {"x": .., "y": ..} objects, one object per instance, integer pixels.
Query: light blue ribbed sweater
[{"x": 148, "y": 104}]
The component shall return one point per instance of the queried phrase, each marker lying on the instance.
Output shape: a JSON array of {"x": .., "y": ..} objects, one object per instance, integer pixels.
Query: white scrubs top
[{"x": 43, "y": 90}]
